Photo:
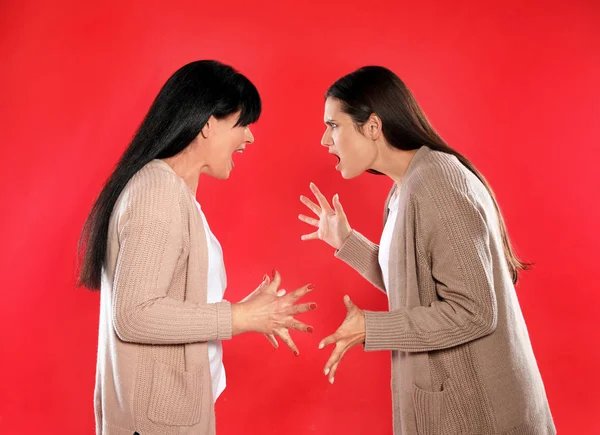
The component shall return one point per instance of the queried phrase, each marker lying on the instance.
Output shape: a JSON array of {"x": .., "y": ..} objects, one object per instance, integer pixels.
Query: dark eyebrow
[{"x": 330, "y": 121}]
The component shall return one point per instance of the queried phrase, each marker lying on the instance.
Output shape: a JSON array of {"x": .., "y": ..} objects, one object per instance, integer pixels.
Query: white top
[
  {"x": 217, "y": 282},
  {"x": 386, "y": 240}
]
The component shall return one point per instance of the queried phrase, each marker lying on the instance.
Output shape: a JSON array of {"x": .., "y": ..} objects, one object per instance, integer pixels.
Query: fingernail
[
  {"x": 274, "y": 273},
  {"x": 331, "y": 381},
  {"x": 265, "y": 277},
  {"x": 313, "y": 306},
  {"x": 297, "y": 353},
  {"x": 310, "y": 286},
  {"x": 326, "y": 372},
  {"x": 321, "y": 347},
  {"x": 310, "y": 329}
]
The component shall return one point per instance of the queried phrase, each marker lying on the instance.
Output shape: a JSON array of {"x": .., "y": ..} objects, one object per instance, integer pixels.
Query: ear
[
  {"x": 373, "y": 127},
  {"x": 208, "y": 127}
]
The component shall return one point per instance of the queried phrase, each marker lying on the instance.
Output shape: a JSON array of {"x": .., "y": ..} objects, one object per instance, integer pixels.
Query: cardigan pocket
[
  {"x": 176, "y": 398},
  {"x": 437, "y": 412}
]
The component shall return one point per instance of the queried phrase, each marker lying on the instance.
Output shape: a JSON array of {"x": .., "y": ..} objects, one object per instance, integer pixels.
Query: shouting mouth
[
  {"x": 237, "y": 150},
  {"x": 339, "y": 161}
]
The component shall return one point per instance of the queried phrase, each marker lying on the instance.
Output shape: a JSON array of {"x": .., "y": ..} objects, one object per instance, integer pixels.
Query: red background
[{"x": 513, "y": 86}]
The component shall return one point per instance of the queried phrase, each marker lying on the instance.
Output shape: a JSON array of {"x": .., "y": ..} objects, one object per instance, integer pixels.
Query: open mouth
[
  {"x": 238, "y": 150},
  {"x": 339, "y": 160}
]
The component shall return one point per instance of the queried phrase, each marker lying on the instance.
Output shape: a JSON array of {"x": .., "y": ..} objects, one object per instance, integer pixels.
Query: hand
[
  {"x": 349, "y": 334},
  {"x": 333, "y": 226},
  {"x": 266, "y": 281},
  {"x": 271, "y": 312}
]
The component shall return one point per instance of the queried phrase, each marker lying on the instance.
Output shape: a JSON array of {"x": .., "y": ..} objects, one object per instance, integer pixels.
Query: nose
[
  {"x": 327, "y": 140},
  {"x": 248, "y": 136}
]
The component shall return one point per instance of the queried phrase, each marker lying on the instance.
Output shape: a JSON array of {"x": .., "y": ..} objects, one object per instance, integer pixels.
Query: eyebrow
[{"x": 330, "y": 121}]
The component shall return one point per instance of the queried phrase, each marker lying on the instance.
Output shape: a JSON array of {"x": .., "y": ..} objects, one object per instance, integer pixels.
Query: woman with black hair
[
  {"x": 147, "y": 247},
  {"x": 462, "y": 362}
]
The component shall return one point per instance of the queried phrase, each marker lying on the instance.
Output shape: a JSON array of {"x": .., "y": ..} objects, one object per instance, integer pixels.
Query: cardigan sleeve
[
  {"x": 150, "y": 242},
  {"x": 457, "y": 239},
  {"x": 363, "y": 256}
]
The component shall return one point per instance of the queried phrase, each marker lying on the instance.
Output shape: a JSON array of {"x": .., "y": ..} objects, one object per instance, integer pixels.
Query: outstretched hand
[{"x": 351, "y": 333}]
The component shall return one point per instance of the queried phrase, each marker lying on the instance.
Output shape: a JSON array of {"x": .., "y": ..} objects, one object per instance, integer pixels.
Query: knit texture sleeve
[
  {"x": 150, "y": 242},
  {"x": 363, "y": 256},
  {"x": 452, "y": 215}
]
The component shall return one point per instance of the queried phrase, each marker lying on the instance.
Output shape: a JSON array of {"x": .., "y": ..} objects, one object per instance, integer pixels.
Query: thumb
[
  {"x": 273, "y": 285},
  {"x": 265, "y": 282},
  {"x": 348, "y": 302}
]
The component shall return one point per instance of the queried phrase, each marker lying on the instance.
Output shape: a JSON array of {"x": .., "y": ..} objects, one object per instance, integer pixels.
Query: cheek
[{"x": 348, "y": 145}]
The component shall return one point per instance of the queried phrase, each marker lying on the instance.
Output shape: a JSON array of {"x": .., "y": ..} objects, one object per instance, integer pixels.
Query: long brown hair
[{"x": 375, "y": 89}]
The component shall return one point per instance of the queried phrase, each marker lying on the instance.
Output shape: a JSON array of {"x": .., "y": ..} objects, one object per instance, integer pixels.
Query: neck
[
  {"x": 393, "y": 162},
  {"x": 188, "y": 170}
]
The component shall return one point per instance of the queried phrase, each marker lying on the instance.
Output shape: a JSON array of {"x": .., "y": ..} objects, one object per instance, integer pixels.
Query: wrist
[
  {"x": 239, "y": 324},
  {"x": 363, "y": 327},
  {"x": 344, "y": 238}
]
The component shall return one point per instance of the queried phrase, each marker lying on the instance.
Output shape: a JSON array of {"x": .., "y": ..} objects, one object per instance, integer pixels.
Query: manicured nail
[
  {"x": 274, "y": 273},
  {"x": 326, "y": 372},
  {"x": 313, "y": 306},
  {"x": 321, "y": 346},
  {"x": 265, "y": 277},
  {"x": 331, "y": 380},
  {"x": 310, "y": 329},
  {"x": 296, "y": 353},
  {"x": 310, "y": 286}
]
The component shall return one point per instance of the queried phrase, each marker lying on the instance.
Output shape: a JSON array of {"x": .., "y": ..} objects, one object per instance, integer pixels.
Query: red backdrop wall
[{"x": 514, "y": 86}]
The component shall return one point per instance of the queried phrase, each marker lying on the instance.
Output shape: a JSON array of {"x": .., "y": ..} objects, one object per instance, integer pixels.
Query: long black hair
[
  {"x": 183, "y": 106},
  {"x": 377, "y": 90}
]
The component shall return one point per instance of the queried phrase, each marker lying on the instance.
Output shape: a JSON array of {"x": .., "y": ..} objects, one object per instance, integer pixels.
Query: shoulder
[
  {"x": 448, "y": 195},
  {"x": 441, "y": 179},
  {"x": 154, "y": 192},
  {"x": 156, "y": 176}
]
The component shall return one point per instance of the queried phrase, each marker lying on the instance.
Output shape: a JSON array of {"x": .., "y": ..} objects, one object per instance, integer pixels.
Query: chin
[
  {"x": 348, "y": 175},
  {"x": 220, "y": 175}
]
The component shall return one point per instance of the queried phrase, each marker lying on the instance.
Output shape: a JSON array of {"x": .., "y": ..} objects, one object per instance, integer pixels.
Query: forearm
[
  {"x": 168, "y": 321},
  {"x": 363, "y": 256},
  {"x": 424, "y": 329}
]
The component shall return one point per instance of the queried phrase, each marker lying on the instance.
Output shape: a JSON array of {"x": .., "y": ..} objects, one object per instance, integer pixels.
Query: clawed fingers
[
  {"x": 307, "y": 202},
  {"x": 273, "y": 286},
  {"x": 328, "y": 340},
  {"x": 337, "y": 205},
  {"x": 333, "y": 362},
  {"x": 297, "y": 294},
  {"x": 321, "y": 198},
  {"x": 334, "y": 368},
  {"x": 298, "y": 326},
  {"x": 301, "y": 308},
  {"x": 309, "y": 220},
  {"x": 287, "y": 339},
  {"x": 312, "y": 236},
  {"x": 272, "y": 340}
]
